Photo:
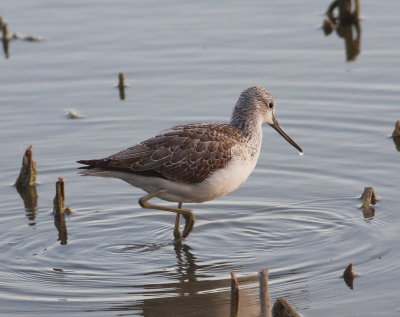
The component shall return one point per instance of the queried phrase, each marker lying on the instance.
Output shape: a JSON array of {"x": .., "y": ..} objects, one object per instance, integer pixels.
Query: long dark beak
[{"x": 282, "y": 132}]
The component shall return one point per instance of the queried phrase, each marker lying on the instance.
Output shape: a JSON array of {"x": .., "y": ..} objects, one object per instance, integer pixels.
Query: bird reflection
[
  {"x": 347, "y": 25},
  {"x": 196, "y": 293},
  {"x": 30, "y": 198}
]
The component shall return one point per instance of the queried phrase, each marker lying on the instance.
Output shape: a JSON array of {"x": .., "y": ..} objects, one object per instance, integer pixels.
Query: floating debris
[
  {"x": 27, "y": 174},
  {"x": 32, "y": 38},
  {"x": 234, "y": 295},
  {"x": 282, "y": 308},
  {"x": 121, "y": 86},
  {"x": 16, "y": 36},
  {"x": 72, "y": 114},
  {"x": 348, "y": 275},
  {"x": 396, "y": 131},
  {"x": 265, "y": 300}
]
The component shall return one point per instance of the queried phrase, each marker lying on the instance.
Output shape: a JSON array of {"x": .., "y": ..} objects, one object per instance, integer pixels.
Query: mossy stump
[
  {"x": 368, "y": 198},
  {"x": 27, "y": 174}
]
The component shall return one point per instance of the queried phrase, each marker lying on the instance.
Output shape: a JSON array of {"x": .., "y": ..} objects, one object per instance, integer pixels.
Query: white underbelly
[
  {"x": 224, "y": 181},
  {"x": 218, "y": 184}
]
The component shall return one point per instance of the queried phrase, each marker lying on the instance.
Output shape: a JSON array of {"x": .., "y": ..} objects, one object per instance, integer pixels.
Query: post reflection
[
  {"x": 61, "y": 226},
  {"x": 341, "y": 17},
  {"x": 30, "y": 198},
  {"x": 7, "y": 37},
  {"x": 5, "y": 40},
  {"x": 59, "y": 212},
  {"x": 396, "y": 135}
]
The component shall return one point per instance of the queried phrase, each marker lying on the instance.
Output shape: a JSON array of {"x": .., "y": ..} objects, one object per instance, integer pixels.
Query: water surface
[{"x": 188, "y": 62}]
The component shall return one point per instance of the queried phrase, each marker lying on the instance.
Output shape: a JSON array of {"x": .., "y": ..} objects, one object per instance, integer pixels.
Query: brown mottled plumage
[{"x": 184, "y": 153}]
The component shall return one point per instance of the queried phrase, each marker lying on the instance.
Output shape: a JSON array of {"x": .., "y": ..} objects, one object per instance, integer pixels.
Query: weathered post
[
  {"x": 27, "y": 174},
  {"x": 265, "y": 300},
  {"x": 121, "y": 86},
  {"x": 234, "y": 295},
  {"x": 348, "y": 275}
]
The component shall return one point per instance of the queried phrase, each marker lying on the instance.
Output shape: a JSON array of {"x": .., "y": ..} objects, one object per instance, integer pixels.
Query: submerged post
[
  {"x": 59, "y": 198},
  {"x": 348, "y": 275},
  {"x": 59, "y": 212},
  {"x": 396, "y": 131},
  {"x": 121, "y": 86},
  {"x": 27, "y": 174},
  {"x": 234, "y": 295},
  {"x": 265, "y": 300},
  {"x": 368, "y": 198},
  {"x": 282, "y": 308}
]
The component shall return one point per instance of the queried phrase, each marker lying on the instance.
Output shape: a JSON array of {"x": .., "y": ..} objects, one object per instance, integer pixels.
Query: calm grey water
[{"x": 188, "y": 61}]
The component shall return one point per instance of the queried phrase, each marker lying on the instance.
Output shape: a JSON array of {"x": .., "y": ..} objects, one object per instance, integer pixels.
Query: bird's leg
[
  {"x": 177, "y": 230},
  {"x": 186, "y": 213}
]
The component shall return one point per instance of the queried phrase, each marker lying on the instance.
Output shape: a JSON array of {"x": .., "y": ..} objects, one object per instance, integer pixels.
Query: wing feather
[{"x": 187, "y": 153}]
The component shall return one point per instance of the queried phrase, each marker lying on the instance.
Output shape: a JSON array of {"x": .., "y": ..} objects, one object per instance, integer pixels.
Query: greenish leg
[
  {"x": 186, "y": 213},
  {"x": 177, "y": 230}
]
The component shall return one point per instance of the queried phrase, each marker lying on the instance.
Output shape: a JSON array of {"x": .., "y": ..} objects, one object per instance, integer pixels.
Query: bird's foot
[
  {"x": 177, "y": 230},
  {"x": 189, "y": 219}
]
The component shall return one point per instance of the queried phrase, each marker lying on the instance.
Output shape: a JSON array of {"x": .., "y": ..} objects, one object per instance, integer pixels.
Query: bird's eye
[{"x": 271, "y": 105}]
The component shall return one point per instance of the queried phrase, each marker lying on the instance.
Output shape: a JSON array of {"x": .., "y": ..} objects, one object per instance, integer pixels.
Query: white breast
[{"x": 227, "y": 179}]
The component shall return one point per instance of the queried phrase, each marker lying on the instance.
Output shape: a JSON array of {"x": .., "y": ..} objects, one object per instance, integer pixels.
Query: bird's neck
[{"x": 248, "y": 122}]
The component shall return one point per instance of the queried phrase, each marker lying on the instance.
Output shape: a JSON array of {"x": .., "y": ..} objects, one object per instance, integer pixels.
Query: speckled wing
[{"x": 186, "y": 153}]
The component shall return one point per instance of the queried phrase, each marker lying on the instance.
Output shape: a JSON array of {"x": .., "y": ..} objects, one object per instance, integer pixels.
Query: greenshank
[{"x": 197, "y": 162}]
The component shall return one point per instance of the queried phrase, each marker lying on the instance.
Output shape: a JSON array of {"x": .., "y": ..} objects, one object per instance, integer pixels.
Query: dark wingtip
[{"x": 88, "y": 163}]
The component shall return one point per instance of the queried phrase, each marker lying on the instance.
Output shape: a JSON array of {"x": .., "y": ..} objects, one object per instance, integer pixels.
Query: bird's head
[{"x": 258, "y": 103}]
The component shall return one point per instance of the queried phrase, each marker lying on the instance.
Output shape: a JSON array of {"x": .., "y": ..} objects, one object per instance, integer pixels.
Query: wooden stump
[
  {"x": 265, "y": 300},
  {"x": 348, "y": 275},
  {"x": 282, "y": 308},
  {"x": 27, "y": 174},
  {"x": 396, "y": 131},
  {"x": 121, "y": 86},
  {"x": 368, "y": 197},
  {"x": 234, "y": 295}
]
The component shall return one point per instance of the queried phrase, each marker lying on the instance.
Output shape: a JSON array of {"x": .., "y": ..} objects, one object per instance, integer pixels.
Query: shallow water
[{"x": 188, "y": 62}]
